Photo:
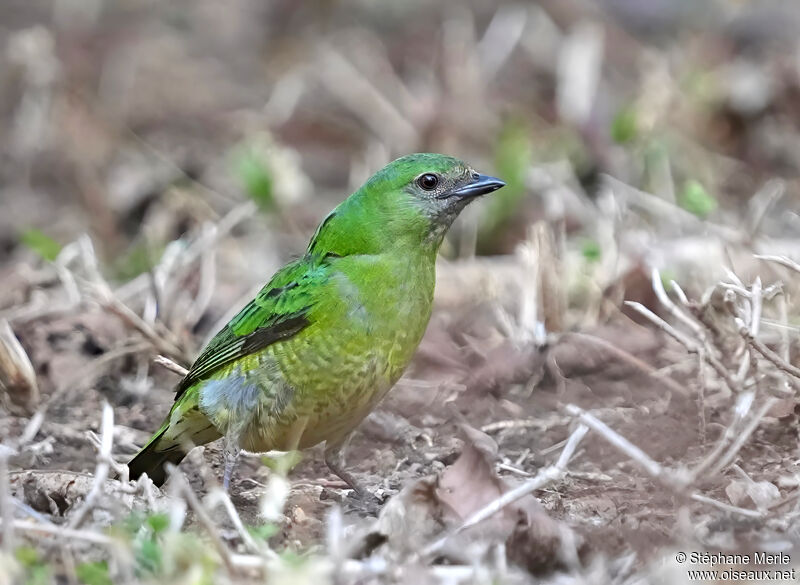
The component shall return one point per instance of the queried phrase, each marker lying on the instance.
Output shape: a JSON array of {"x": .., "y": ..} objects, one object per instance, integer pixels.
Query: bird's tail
[
  {"x": 173, "y": 441},
  {"x": 154, "y": 456}
]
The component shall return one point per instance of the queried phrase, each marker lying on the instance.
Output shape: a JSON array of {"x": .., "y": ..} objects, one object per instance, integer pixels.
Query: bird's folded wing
[{"x": 278, "y": 312}]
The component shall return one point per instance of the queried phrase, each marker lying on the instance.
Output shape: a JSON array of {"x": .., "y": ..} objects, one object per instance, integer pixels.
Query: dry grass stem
[
  {"x": 6, "y": 508},
  {"x": 691, "y": 345},
  {"x": 726, "y": 507},
  {"x": 171, "y": 365},
  {"x": 88, "y": 374},
  {"x": 218, "y": 496},
  {"x": 744, "y": 402},
  {"x": 543, "y": 478},
  {"x": 203, "y": 517},
  {"x": 632, "y": 360},
  {"x": 782, "y": 260},
  {"x": 742, "y": 437},
  {"x": 102, "y": 469},
  {"x": 61, "y": 532},
  {"x": 677, "y": 481},
  {"x": 163, "y": 341},
  {"x": 768, "y": 354},
  {"x": 663, "y": 297},
  {"x": 652, "y": 467},
  {"x": 502, "y": 425}
]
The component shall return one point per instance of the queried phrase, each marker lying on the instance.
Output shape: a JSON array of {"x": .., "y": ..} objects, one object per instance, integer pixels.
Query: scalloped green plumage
[{"x": 310, "y": 356}]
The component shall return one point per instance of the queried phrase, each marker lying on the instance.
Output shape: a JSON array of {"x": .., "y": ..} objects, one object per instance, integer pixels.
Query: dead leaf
[
  {"x": 540, "y": 543},
  {"x": 428, "y": 508},
  {"x": 783, "y": 408},
  {"x": 761, "y": 493},
  {"x": 471, "y": 483},
  {"x": 411, "y": 517},
  {"x": 17, "y": 377},
  {"x": 634, "y": 285}
]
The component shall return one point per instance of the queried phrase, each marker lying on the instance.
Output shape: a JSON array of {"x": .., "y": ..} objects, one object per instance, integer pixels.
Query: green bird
[{"x": 330, "y": 334}]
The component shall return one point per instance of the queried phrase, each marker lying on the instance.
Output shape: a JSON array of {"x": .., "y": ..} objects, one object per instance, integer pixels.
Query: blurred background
[
  {"x": 159, "y": 160},
  {"x": 134, "y": 121}
]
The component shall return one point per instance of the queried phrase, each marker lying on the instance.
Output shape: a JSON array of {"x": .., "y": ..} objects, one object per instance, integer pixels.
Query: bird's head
[{"x": 411, "y": 201}]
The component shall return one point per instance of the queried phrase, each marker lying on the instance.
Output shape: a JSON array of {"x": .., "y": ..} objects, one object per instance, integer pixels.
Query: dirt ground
[
  {"x": 632, "y": 293},
  {"x": 415, "y": 433}
]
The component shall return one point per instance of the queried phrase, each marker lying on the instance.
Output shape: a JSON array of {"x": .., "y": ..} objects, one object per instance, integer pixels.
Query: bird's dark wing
[{"x": 279, "y": 311}]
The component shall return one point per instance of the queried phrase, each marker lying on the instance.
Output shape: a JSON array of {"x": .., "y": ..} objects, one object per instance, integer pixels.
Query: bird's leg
[
  {"x": 230, "y": 453},
  {"x": 334, "y": 459}
]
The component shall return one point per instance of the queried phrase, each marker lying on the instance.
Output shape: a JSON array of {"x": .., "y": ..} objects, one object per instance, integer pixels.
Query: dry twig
[
  {"x": 690, "y": 344},
  {"x": 544, "y": 477},
  {"x": 767, "y": 353},
  {"x": 202, "y": 516},
  {"x": 171, "y": 365},
  {"x": 677, "y": 481},
  {"x": 102, "y": 469},
  {"x": 6, "y": 510},
  {"x": 630, "y": 359},
  {"x": 782, "y": 260}
]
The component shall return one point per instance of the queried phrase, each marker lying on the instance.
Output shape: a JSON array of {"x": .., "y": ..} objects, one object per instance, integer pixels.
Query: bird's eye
[{"x": 428, "y": 181}]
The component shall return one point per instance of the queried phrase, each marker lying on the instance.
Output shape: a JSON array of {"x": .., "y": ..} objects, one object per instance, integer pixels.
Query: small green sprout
[
  {"x": 591, "y": 251},
  {"x": 94, "y": 573},
  {"x": 252, "y": 170},
  {"x": 40, "y": 243},
  {"x": 695, "y": 199},
  {"x": 625, "y": 126}
]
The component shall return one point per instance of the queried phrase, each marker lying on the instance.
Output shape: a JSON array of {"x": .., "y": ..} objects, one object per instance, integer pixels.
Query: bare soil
[{"x": 415, "y": 432}]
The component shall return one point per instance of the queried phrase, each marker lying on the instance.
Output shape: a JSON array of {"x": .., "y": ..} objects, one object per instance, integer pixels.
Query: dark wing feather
[{"x": 278, "y": 312}]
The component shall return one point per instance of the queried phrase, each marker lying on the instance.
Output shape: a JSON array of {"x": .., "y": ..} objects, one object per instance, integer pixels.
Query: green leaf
[
  {"x": 255, "y": 176},
  {"x": 158, "y": 522},
  {"x": 141, "y": 257},
  {"x": 264, "y": 531},
  {"x": 625, "y": 126},
  {"x": 27, "y": 556},
  {"x": 94, "y": 573},
  {"x": 591, "y": 251},
  {"x": 41, "y": 243},
  {"x": 667, "y": 276},
  {"x": 293, "y": 558},
  {"x": 697, "y": 200},
  {"x": 132, "y": 523},
  {"x": 38, "y": 575},
  {"x": 36, "y": 571},
  {"x": 148, "y": 556},
  {"x": 513, "y": 154}
]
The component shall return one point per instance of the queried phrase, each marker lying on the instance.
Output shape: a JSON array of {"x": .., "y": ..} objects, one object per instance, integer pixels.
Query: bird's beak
[{"x": 482, "y": 185}]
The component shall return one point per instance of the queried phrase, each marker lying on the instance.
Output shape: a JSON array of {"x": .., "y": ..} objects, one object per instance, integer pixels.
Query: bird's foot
[
  {"x": 360, "y": 499},
  {"x": 363, "y": 503},
  {"x": 230, "y": 454}
]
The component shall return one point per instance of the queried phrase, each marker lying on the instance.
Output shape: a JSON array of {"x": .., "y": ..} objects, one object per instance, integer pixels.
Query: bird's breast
[{"x": 364, "y": 330}]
